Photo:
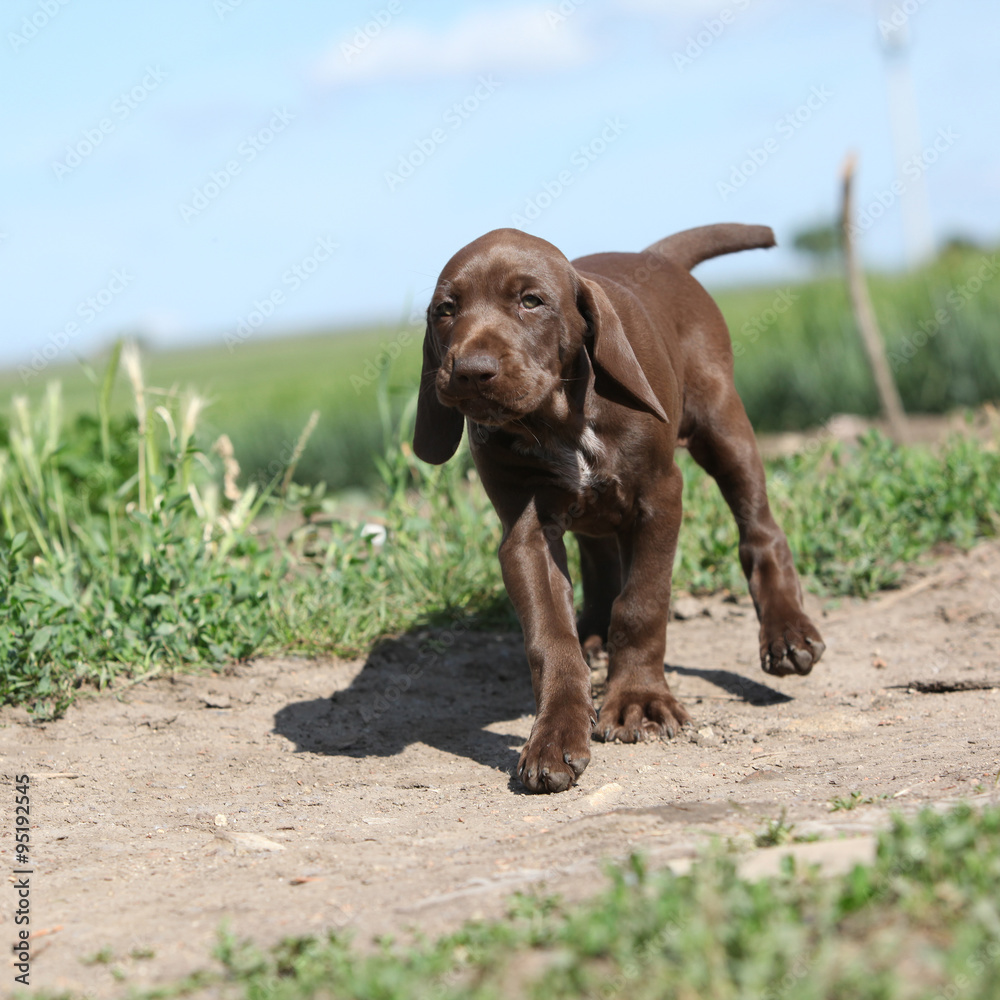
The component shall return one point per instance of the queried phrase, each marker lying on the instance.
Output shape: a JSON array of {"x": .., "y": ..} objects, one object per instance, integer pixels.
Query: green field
[
  {"x": 799, "y": 361},
  {"x": 262, "y": 392},
  {"x": 941, "y": 327}
]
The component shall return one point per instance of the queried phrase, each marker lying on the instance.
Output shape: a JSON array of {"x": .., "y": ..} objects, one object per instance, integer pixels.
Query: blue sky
[{"x": 177, "y": 168}]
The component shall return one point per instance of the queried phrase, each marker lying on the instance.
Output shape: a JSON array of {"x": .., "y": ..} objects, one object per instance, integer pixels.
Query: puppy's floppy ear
[
  {"x": 438, "y": 427},
  {"x": 617, "y": 374}
]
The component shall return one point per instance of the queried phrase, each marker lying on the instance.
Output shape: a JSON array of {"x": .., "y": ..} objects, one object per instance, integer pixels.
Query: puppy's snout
[{"x": 473, "y": 373}]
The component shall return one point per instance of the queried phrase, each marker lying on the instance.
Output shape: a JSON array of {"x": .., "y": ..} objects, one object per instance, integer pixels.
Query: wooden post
[{"x": 864, "y": 315}]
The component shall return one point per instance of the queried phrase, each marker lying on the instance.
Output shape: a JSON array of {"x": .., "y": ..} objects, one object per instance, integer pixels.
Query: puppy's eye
[
  {"x": 530, "y": 301},
  {"x": 445, "y": 309}
]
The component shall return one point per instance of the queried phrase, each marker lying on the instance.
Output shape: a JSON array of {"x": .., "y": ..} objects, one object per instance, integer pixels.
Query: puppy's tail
[{"x": 690, "y": 247}]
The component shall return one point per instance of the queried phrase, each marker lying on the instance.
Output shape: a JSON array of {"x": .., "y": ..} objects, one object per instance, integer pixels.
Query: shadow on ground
[
  {"x": 750, "y": 691},
  {"x": 439, "y": 687},
  {"x": 446, "y": 689}
]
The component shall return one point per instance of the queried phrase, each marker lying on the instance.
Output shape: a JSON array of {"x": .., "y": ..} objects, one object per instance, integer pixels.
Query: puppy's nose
[{"x": 474, "y": 372}]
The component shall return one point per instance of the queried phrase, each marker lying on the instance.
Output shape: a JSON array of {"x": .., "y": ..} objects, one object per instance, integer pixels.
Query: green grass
[
  {"x": 775, "y": 832},
  {"x": 923, "y": 921},
  {"x": 127, "y": 550},
  {"x": 854, "y": 516},
  {"x": 129, "y": 546},
  {"x": 799, "y": 359},
  {"x": 262, "y": 392},
  {"x": 848, "y": 802}
]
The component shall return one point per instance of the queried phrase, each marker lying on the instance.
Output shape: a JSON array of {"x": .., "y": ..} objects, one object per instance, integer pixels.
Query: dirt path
[{"x": 291, "y": 797}]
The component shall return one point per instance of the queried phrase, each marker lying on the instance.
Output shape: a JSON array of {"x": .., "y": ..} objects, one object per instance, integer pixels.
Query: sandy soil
[{"x": 289, "y": 797}]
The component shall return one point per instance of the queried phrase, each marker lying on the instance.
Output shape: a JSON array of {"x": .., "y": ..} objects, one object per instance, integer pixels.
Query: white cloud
[
  {"x": 673, "y": 8},
  {"x": 681, "y": 12},
  {"x": 512, "y": 40}
]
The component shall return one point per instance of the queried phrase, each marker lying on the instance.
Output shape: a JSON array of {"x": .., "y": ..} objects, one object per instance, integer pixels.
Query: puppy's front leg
[
  {"x": 537, "y": 580},
  {"x": 638, "y": 704}
]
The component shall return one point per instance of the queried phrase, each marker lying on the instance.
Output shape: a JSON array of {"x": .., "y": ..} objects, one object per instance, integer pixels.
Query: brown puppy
[{"x": 577, "y": 381}]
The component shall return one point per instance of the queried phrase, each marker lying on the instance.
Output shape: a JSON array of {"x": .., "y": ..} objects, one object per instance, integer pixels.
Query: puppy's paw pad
[
  {"x": 794, "y": 648},
  {"x": 635, "y": 716},
  {"x": 555, "y": 756}
]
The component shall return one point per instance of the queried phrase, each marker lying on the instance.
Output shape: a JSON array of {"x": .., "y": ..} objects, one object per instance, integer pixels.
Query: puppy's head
[{"x": 506, "y": 326}]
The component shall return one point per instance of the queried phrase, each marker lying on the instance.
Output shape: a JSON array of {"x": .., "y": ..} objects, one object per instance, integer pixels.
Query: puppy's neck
[{"x": 565, "y": 417}]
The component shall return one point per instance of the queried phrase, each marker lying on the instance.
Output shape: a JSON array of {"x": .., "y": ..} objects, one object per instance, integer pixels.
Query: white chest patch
[{"x": 572, "y": 462}]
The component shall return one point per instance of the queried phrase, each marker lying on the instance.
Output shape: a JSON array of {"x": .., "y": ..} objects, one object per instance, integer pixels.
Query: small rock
[
  {"x": 376, "y": 532},
  {"x": 706, "y": 737},
  {"x": 958, "y": 614},
  {"x": 604, "y": 796},
  {"x": 160, "y": 723},
  {"x": 249, "y": 842},
  {"x": 687, "y": 607},
  {"x": 762, "y": 774}
]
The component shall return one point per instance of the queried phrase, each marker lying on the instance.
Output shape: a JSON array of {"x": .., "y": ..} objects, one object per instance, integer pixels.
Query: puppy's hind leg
[
  {"x": 601, "y": 572},
  {"x": 722, "y": 442}
]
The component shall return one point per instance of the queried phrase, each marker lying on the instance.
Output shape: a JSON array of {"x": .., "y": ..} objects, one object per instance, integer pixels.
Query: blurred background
[{"x": 262, "y": 194}]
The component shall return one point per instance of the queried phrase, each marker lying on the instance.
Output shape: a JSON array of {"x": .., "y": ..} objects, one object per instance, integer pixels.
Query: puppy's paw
[
  {"x": 791, "y": 646},
  {"x": 557, "y": 751},
  {"x": 594, "y": 652},
  {"x": 635, "y": 714}
]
